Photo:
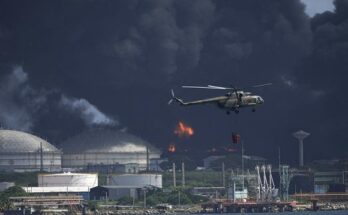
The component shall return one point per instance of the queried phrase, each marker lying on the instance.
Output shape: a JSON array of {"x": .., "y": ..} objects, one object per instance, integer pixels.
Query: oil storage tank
[
  {"x": 68, "y": 180},
  {"x": 135, "y": 180},
  {"x": 21, "y": 152},
  {"x": 106, "y": 147}
]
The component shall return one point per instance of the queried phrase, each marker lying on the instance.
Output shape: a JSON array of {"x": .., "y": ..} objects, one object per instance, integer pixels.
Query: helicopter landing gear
[{"x": 253, "y": 110}]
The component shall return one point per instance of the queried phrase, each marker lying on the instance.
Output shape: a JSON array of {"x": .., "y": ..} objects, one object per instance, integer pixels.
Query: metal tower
[
  {"x": 284, "y": 182},
  {"x": 300, "y": 135}
]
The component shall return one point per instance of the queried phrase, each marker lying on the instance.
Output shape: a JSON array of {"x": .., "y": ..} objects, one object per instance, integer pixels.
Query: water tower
[{"x": 300, "y": 135}]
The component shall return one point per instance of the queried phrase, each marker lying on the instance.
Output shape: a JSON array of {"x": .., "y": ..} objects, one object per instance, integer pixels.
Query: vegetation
[
  {"x": 194, "y": 178},
  {"x": 10, "y": 192},
  {"x": 190, "y": 164},
  {"x": 21, "y": 179},
  {"x": 126, "y": 200},
  {"x": 174, "y": 197}
]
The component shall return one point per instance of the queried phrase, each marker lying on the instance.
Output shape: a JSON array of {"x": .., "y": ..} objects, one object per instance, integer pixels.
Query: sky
[
  {"x": 69, "y": 66},
  {"x": 314, "y": 7}
]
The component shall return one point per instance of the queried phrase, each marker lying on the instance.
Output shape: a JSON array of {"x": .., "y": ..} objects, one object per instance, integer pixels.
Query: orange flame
[
  {"x": 171, "y": 148},
  {"x": 183, "y": 130}
]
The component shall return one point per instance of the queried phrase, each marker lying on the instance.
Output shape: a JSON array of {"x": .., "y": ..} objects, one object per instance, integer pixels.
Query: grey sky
[{"x": 318, "y": 6}]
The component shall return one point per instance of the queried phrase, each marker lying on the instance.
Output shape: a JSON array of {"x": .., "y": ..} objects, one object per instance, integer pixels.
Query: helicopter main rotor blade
[
  {"x": 209, "y": 87},
  {"x": 214, "y": 87},
  {"x": 262, "y": 85},
  {"x": 220, "y": 88}
]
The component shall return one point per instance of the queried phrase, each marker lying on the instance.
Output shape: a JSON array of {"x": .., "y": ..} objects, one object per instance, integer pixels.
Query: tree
[{"x": 15, "y": 191}]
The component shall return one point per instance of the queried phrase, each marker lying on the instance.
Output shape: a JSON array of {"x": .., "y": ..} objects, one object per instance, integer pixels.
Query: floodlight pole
[{"x": 243, "y": 164}]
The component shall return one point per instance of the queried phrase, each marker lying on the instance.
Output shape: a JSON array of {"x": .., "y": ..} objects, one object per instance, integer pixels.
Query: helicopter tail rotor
[{"x": 174, "y": 98}]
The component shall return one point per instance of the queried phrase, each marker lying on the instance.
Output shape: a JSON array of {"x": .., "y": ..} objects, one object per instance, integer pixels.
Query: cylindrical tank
[
  {"x": 106, "y": 147},
  {"x": 136, "y": 180},
  {"x": 68, "y": 180}
]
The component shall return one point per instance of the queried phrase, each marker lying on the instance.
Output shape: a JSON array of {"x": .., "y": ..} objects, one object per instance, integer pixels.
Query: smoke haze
[{"x": 88, "y": 112}]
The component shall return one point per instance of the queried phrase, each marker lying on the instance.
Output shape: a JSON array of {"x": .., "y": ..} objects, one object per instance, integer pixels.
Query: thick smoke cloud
[
  {"x": 324, "y": 74},
  {"x": 126, "y": 55},
  {"x": 19, "y": 101},
  {"x": 22, "y": 105}
]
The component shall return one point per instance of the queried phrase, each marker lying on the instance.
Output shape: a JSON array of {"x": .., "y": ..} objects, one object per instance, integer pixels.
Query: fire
[
  {"x": 183, "y": 130},
  {"x": 171, "y": 148}
]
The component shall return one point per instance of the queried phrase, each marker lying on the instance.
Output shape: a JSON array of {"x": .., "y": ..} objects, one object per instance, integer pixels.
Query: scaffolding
[{"x": 284, "y": 182}]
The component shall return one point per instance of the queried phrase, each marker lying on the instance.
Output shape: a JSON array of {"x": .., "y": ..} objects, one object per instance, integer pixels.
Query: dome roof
[
  {"x": 106, "y": 141},
  {"x": 19, "y": 142}
]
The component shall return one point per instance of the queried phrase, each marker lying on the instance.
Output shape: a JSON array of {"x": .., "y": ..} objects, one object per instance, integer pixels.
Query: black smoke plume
[{"x": 124, "y": 57}]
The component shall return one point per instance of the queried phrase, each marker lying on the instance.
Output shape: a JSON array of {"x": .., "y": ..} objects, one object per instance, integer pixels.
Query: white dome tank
[{"x": 20, "y": 151}]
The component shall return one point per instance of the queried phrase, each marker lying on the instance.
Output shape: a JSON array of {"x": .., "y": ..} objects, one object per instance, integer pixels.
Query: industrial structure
[
  {"x": 127, "y": 185},
  {"x": 64, "y": 183},
  {"x": 284, "y": 182},
  {"x": 135, "y": 180},
  {"x": 68, "y": 180},
  {"x": 266, "y": 191},
  {"x": 100, "y": 147},
  {"x": 22, "y": 152},
  {"x": 300, "y": 135}
]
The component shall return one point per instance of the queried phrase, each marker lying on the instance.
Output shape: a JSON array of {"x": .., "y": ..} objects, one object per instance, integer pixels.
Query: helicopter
[{"x": 233, "y": 100}]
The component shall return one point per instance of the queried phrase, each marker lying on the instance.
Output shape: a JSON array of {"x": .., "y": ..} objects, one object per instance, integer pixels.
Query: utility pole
[
  {"x": 174, "y": 176},
  {"x": 144, "y": 197},
  {"x": 179, "y": 197},
  {"x": 147, "y": 159},
  {"x": 183, "y": 174},
  {"x": 223, "y": 174},
  {"x": 41, "y": 158},
  {"x": 279, "y": 156},
  {"x": 243, "y": 164}
]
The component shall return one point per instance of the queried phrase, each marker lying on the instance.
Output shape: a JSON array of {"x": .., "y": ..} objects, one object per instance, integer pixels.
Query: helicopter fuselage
[{"x": 232, "y": 103}]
